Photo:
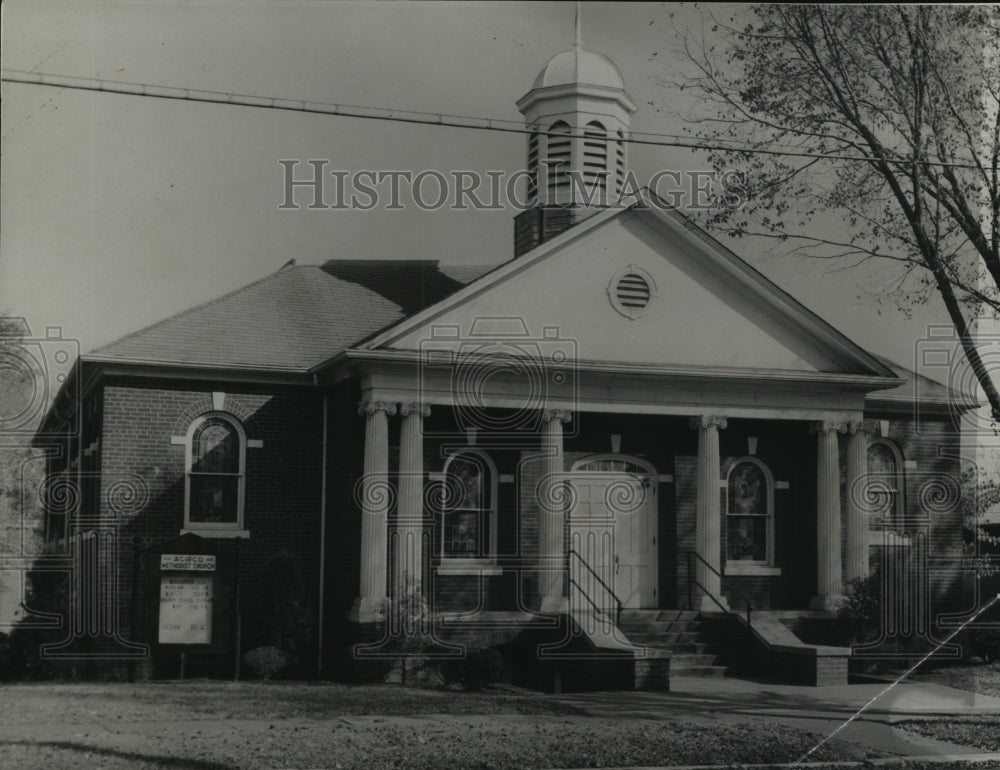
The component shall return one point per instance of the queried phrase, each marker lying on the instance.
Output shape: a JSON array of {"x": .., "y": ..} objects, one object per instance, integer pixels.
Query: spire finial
[{"x": 578, "y": 44}]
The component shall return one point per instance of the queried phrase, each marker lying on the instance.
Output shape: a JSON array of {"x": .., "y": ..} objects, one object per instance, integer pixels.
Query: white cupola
[{"x": 578, "y": 112}]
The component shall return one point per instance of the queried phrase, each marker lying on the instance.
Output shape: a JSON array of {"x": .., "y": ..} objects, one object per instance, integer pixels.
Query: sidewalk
[{"x": 823, "y": 710}]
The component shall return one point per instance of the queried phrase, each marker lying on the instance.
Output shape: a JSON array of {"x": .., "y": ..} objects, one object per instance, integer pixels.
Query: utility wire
[{"x": 405, "y": 116}]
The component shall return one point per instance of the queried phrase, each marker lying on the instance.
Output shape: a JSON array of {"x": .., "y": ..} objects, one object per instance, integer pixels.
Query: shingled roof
[
  {"x": 916, "y": 387},
  {"x": 296, "y": 318}
]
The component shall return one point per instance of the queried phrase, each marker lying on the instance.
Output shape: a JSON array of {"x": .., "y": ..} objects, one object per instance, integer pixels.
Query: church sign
[
  {"x": 186, "y": 595},
  {"x": 188, "y": 562}
]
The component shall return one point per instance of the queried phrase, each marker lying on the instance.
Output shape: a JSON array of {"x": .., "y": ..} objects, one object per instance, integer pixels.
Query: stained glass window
[
  {"x": 883, "y": 480},
  {"x": 748, "y": 513},
  {"x": 613, "y": 464},
  {"x": 468, "y": 508}
]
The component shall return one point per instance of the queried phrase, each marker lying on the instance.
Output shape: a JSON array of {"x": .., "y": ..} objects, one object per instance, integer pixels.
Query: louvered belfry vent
[{"x": 632, "y": 291}]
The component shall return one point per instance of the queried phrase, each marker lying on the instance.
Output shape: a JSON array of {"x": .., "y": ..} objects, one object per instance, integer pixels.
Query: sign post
[{"x": 190, "y": 595}]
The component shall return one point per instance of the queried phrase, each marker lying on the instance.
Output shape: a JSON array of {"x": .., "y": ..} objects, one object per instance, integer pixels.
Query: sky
[{"x": 118, "y": 211}]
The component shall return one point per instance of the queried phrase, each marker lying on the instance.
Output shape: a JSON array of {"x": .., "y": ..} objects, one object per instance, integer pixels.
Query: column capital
[
  {"x": 708, "y": 421},
  {"x": 828, "y": 426},
  {"x": 553, "y": 415},
  {"x": 415, "y": 408},
  {"x": 862, "y": 426},
  {"x": 371, "y": 407}
]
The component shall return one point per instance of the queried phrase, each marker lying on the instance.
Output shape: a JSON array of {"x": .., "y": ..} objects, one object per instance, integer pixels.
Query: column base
[
  {"x": 366, "y": 609},
  {"x": 829, "y": 603},
  {"x": 555, "y": 604},
  {"x": 707, "y": 605}
]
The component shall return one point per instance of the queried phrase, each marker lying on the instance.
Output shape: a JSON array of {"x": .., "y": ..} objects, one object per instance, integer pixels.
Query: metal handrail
[
  {"x": 585, "y": 595},
  {"x": 692, "y": 581},
  {"x": 618, "y": 602}
]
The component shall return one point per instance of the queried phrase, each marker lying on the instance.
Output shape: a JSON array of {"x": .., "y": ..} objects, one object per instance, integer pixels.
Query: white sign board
[
  {"x": 185, "y": 609},
  {"x": 188, "y": 562}
]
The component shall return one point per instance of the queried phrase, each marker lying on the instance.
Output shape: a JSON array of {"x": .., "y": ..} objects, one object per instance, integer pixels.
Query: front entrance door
[{"x": 613, "y": 537}]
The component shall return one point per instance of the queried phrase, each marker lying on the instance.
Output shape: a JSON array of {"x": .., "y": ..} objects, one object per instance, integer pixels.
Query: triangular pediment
[{"x": 706, "y": 307}]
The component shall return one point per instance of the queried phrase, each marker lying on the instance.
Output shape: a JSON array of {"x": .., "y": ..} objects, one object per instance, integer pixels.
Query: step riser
[
  {"x": 658, "y": 615},
  {"x": 683, "y": 659},
  {"x": 713, "y": 672},
  {"x": 668, "y": 638},
  {"x": 677, "y": 649},
  {"x": 661, "y": 628},
  {"x": 681, "y": 632},
  {"x": 672, "y": 636}
]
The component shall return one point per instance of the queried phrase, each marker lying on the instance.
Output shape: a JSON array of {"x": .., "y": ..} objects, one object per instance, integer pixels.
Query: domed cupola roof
[{"x": 579, "y": 66}]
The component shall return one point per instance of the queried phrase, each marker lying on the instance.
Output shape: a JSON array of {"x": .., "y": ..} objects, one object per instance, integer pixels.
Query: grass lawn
[
  {"x": 211, "y": 725},
  {"x": 214, "y": 725},
  {"x": 157, "y": 701},
  {"x": 981, "y": 731},
  {"x": 974, "y": 677}
]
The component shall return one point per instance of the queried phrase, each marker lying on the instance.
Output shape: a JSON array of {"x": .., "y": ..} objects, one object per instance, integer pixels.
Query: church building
[{"x": 621, "y": 441}]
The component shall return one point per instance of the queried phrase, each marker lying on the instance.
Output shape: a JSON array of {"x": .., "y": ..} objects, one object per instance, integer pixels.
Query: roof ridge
[
  {"x": 181, "y": 313},
  {"x": 489, "y": 268}
]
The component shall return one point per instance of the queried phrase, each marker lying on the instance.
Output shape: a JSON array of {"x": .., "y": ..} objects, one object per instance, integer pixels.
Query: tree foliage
[
  {"x": 21, "y": 473},
  {"x": 885, "y": 117}
]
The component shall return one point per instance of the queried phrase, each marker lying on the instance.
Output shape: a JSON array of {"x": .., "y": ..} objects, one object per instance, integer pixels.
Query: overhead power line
[{"x": 406, "y": 116}]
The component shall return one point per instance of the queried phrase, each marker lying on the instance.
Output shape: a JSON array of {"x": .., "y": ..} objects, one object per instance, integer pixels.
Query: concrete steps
[{"x": 679, "y": 631}]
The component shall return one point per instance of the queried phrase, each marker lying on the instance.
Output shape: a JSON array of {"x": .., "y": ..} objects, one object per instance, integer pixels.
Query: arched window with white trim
[
  {"x": 215, "y": 474},
  {"x": 750, "y": 513},
  {"x": 885, "y": 473},
  {"x": 469, "y": 521}
]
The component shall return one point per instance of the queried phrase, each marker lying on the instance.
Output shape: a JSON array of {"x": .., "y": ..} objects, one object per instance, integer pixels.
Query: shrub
[
  {"x": 10, "y": 666},
  {"x": 410, "y": 624},
  {"x": 265, "y": 662},
  {"x": 281, "y": 615},
  {"x": 369, "y": 670},
  {"x": 481, "y": 666},
  {"x": 862, "y": 607}
]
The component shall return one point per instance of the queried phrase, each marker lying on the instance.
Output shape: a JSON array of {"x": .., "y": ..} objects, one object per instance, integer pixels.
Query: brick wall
[
  {"x": 345, "y": 465},
  {"x": 933, "y": 492},
  {"x": 143, "y": 473}
]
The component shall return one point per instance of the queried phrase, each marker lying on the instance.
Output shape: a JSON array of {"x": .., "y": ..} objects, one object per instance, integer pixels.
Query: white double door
[{"x": 612, "y": 533}]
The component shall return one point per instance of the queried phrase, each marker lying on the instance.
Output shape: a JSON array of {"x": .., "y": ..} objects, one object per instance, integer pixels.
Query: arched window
[
  {"x": 614, "y": 463},
  {"x": 885, "y": 464},
  {"x": 468, "y": 526},
  {"x": 216, "y": 464},
  {"x": 750, "y": 513}
]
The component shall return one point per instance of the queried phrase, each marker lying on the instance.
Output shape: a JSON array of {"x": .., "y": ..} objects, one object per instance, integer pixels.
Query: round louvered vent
[{"x": 631, "y": 291}]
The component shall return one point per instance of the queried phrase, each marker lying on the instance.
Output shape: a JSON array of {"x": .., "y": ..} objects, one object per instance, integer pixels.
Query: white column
[
  {"x": 551, "y": 513},
  {"x": 857, "y": 498},
  {"x": 829, "y": 585},
  {"x": 708, "y": 525},
  {"x": 376, "y": 496},
  {"x": 410, "y": 517}
]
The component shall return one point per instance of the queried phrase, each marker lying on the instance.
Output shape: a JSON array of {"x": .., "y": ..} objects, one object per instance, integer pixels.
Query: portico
[{"x": 676, "y": 417}]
